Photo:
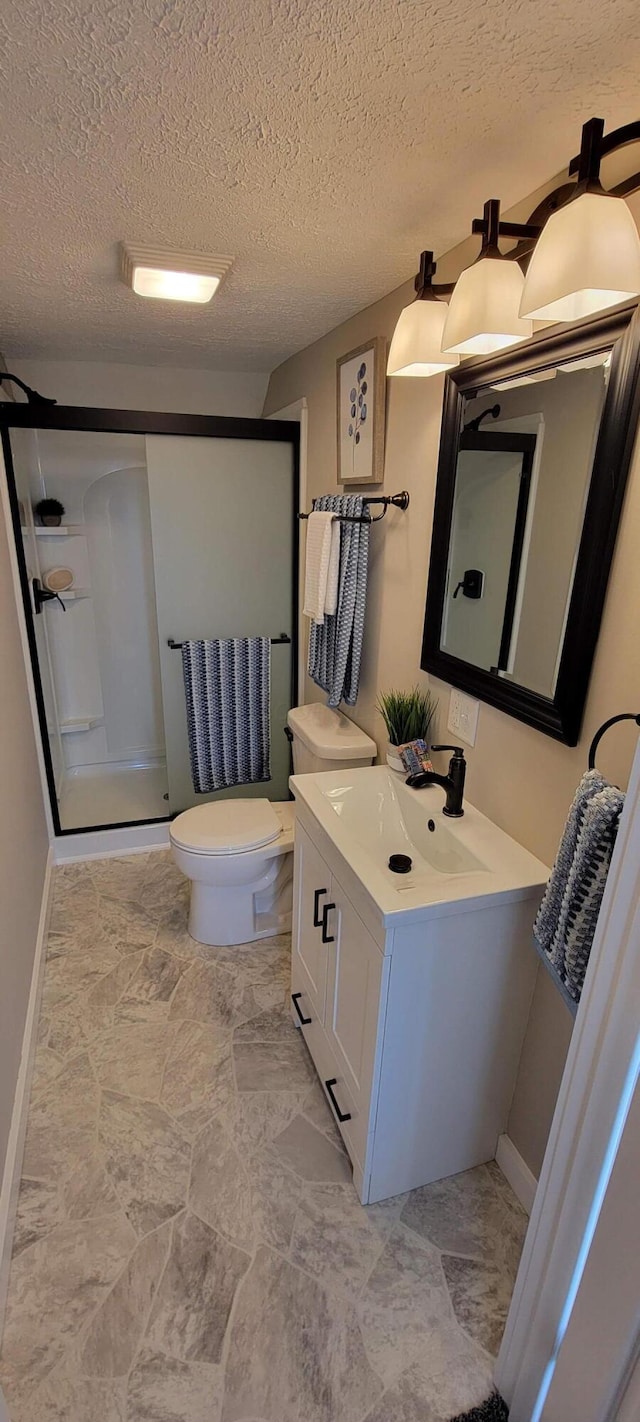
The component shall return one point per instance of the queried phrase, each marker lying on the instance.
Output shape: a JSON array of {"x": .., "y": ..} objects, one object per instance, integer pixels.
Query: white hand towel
[
  {"x": 333, "y": 575},
  {"x": 318, "y": 557}
]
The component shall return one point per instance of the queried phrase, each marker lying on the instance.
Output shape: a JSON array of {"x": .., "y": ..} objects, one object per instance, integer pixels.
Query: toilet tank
[{"x": 324, "y": 739}]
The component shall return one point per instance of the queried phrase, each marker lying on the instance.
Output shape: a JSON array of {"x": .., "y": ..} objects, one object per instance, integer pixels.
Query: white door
[
  {"x": 353, "y": 995},
  {"x": 311, "y": 895},
  {"x": 602, "y": 1332},
  {"x": 222, "y": 524}
]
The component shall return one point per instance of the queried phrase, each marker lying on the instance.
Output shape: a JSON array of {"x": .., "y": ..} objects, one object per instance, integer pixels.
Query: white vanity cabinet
[
  {"x": 415, "y": 1028},
  {"x": 336, "y": 986}
]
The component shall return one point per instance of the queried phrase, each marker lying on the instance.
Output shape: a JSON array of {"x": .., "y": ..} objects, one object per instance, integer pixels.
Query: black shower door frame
[{"x": 144, "y": 422}]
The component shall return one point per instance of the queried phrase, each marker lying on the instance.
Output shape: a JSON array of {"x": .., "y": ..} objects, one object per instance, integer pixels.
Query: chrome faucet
[{"x": 453, "y": 783}]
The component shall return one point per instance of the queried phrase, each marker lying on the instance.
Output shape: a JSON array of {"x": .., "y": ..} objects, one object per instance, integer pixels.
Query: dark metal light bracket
[
  {"x": 585, "y": 167},
  {"x": 618, "y": 138},
  {"x": 426, "y": 290},
  {"x": 491, "y": 226}
]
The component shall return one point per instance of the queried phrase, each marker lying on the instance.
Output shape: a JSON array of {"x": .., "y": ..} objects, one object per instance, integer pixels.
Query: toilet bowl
[
  {"x": 238, "y": 853},
  {"x": 238, "y": 856}
]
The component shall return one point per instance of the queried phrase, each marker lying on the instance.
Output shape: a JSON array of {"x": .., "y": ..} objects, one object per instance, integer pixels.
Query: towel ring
[{"x": 613, "y": 720}]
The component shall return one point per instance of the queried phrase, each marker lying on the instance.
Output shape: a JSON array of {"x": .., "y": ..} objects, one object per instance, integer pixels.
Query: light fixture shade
[
  {"x": 484, "y": 309},
  {"x": 587, "y": 257},
  {"x": 173, "y": 286},
  {"x": 416, "y": 346},
  {"x": 172, "y": 276}
]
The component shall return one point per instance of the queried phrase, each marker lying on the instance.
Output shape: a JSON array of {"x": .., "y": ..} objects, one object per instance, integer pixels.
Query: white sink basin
[{"x": 370, "y": 814}]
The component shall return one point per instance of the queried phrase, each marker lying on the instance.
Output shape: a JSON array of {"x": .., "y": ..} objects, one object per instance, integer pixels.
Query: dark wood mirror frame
[{"x": 560, "y": 716}]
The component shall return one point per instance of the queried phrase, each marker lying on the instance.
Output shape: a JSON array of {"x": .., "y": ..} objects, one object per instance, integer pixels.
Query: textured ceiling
[{"x": 323, "y": 144}]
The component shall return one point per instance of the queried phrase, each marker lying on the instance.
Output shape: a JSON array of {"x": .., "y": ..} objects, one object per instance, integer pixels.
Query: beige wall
[
  {"x": 522, "y": 779},
  {"x": 23, "y": 844},
  {"x": 107, "y": 384}
]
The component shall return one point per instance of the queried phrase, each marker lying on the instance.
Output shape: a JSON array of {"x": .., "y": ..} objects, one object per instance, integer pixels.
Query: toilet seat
[{"x": 226, "y": 827}]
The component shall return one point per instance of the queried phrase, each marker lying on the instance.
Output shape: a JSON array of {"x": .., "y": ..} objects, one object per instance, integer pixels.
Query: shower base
[{"x": 112, "y": 794}]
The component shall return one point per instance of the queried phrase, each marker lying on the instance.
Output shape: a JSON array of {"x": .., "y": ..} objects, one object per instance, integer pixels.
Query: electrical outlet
[{"x": 463, "y": 716}]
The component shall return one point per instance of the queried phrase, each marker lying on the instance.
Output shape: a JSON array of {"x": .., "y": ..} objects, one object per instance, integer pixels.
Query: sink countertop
[{"x": 369, "y": 813}]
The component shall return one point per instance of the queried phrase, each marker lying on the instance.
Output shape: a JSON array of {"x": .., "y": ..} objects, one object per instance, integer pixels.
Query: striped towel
[
  {"x": 566, "y": 920},
  {"x": 227, "y": 687},
  {"x": 335, "y": 647}
]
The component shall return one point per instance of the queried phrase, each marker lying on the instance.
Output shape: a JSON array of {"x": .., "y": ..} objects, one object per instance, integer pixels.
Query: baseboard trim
[
  {"x": 521, "y": 1179},
  {"x": 17, "y": 1132}
]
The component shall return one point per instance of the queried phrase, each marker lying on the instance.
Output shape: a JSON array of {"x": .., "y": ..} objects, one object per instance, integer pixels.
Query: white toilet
[
  {"x": 326, "y": 740},
  {"x": 238, "y": 853}
]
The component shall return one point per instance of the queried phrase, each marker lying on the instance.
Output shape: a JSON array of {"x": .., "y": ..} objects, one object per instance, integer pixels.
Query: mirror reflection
[{"x": 524, "y": 462}]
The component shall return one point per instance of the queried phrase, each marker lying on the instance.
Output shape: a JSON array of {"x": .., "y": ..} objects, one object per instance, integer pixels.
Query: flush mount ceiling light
[
  {"x": 588, "y": 255},
  {"x": 172, "y": 276},
  {"x": 416, "y": 347},
  {"x": 484, "y": 311}
]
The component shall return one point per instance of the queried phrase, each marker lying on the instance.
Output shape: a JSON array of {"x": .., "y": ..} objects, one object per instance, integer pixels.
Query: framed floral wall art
[{"x": 361, "y": 383}]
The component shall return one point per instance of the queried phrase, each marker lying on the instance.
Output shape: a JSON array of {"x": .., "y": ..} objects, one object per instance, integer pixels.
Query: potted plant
[
  {"x": 49, "y": 512},
  {"x": 407, "y": 716}
]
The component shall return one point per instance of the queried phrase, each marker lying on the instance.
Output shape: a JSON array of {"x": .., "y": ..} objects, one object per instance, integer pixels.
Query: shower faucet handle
[{"x": 42, "y": 595}]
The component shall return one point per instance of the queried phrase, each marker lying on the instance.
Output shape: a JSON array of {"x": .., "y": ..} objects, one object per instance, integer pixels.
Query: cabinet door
[
  {"x": 311, "y": 891},
  {"x": 353, "y": 997}
]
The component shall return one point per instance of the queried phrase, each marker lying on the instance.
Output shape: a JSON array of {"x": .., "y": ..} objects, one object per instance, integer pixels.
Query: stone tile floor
[{"x": 189, "y": 1246}]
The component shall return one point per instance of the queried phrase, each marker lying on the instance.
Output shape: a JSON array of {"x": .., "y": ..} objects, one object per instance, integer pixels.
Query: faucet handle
[{"x": 457, "y": 750}]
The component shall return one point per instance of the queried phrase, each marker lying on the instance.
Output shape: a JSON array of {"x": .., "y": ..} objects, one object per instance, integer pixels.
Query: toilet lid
[{"x": 226, "y": 827}]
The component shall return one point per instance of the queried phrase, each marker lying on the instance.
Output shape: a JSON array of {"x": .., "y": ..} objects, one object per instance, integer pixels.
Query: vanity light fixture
[
  {"x": 484, "y": 310},
  {"x": 172, "y": 276},
  {"x": 416, "y": 346},
  {"x": 588, "y": 255},
  {"x": 583, "y": 250}
]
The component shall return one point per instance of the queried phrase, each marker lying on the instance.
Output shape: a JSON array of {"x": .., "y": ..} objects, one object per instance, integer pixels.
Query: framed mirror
[{"x": 534, "y": 455}]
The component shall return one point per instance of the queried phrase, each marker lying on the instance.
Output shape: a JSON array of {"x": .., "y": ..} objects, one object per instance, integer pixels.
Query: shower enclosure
[{"x": 174, "y": 527}]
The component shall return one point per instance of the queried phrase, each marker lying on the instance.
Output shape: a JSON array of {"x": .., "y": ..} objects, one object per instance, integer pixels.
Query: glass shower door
[{"x": 222, "y": 515}]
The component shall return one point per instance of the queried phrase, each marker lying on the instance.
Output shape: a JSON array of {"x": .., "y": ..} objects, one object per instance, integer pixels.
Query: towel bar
[
  {"x": 275, "y": 642},
  {"x": 399, "y": 501}
]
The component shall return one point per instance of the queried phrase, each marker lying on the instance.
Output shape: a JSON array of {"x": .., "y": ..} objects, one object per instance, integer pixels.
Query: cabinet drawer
[{"x": 355, "y": 1131}]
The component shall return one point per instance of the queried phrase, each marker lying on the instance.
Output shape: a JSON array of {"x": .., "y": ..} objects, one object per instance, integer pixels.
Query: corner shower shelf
[
  {"x": 66, "y": 530},
  {"x": 80, "y": 723}
]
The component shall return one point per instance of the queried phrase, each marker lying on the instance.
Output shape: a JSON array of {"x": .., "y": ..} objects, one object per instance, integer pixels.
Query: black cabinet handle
[
  {"x": 327, "y": 937},
  {"x": 342, "y": 1115},
  {"x": 295, "y": 996},
  {"x": 317, "y": 921}
]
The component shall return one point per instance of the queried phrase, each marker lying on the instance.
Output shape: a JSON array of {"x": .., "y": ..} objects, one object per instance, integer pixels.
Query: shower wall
[
  {"x": 26, "y": 464},
  {"x": 104, "y": 647}
]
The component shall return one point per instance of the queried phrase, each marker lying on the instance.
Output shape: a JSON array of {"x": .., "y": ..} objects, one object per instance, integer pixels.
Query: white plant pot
[{"x": 393, "y": 759}]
